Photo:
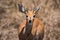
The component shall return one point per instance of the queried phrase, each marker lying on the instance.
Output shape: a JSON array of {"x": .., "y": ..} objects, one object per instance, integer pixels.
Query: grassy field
[{"x": 10, "y": 17}]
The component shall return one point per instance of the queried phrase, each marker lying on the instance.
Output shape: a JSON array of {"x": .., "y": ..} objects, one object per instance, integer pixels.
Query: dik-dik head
[{"x": 30, "y": 14}]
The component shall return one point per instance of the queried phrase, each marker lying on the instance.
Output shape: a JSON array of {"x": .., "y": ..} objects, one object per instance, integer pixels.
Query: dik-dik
[{"x": 31, "y": 28}]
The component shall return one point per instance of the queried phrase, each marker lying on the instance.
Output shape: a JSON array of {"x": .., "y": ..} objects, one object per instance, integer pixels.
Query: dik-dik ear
[
  {"x": 21, "y": 8},
  {"x": 36, "y": 9}
]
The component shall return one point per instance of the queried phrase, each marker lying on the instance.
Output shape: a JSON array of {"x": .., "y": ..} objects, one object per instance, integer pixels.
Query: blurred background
[{"x": 10, "y": 17}]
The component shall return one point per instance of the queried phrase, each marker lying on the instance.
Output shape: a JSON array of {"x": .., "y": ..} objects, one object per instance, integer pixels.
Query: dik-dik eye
[
  {"x": 26, "y": 16},
  {"x": 34, "y": 16}
]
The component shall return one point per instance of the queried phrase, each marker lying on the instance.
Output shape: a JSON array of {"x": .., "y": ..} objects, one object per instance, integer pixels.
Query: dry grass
[{"x": 10, "y": 18}]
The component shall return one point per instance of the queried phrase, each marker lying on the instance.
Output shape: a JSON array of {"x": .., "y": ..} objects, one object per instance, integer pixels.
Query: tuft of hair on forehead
[{"x": 30, "y": 12}]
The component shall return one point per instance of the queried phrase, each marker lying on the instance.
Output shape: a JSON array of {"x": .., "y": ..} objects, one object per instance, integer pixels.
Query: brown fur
[
  {"x": 31, "y": 28},
  {"x": 37, "y": 27}
]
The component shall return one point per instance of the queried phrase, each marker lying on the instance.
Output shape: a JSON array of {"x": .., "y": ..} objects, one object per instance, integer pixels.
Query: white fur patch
[{"x": 24, "y": 30}]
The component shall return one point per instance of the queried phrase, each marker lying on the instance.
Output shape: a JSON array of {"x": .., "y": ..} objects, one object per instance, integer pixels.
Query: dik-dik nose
[{"x": 29, "y": 21}]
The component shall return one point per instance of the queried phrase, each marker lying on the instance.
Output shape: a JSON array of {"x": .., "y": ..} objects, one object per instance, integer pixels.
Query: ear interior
[
  {"x": 21, "y": 8},
  {"x": 36, "y": 9}
]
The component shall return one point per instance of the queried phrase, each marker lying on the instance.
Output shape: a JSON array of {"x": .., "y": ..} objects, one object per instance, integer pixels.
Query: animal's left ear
[{"x": 36, "y": 9}]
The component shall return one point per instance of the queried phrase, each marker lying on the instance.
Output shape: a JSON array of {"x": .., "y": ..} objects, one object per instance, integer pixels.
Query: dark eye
[
  {"x": 26, "y": 16},
  {"x": 34, "y": 16}
]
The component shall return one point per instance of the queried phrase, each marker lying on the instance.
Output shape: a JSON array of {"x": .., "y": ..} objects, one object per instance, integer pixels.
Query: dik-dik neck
[{"x": 28, "y": 27}]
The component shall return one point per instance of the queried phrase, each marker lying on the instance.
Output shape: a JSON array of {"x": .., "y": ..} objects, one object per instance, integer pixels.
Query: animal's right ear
[{"x": 21, "y": 8}]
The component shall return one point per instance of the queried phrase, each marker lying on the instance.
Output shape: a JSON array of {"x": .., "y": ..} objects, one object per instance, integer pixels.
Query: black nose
[{"x": 29, "y": 21}]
